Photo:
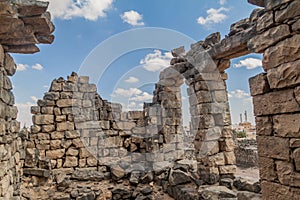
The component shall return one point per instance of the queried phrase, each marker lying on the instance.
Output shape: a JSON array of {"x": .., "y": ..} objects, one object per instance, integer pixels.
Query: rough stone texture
[
  {"x": 273, "y": 147},
  {"x": 285, "y": 51},
  {"x": 287, "y": 125},
  {"x": 259, "y": 84},
  {"x": 270, "y": 37},
  {"x": 276, "y": 102}
]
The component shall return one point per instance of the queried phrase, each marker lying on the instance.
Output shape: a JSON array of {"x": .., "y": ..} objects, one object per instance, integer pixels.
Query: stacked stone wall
[{"x": 276, "y": 99}]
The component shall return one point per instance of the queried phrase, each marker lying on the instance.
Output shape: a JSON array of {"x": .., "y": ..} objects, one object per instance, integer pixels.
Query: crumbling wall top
[{"x": 24, "y": 23}]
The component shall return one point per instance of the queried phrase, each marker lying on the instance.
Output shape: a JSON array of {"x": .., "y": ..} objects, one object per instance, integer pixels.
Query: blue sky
[{"x": 83, "y": 26}]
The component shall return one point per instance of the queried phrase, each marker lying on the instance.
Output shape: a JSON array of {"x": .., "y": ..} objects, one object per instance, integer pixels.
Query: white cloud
[
  {"x": 126, "y": 93},
  {"x": 240, "y": 94},
  {"x": 88, "y": 9},
  {"x": 213, "y": 16},
  {"x": 37, "y": 66},
  {"x": 249, "y": 63},
  {"x": 24, "y": 115},
  {"x": 222, "y": 2},
  {"x": 132, "y": 79},
  {"x": 133, "y": 18},
  {"x": 145, "y": 96},
  {"x": 34, "y": 98},
  {"x": 156, "y": 61},
  {"x": 22, "y": 67}
]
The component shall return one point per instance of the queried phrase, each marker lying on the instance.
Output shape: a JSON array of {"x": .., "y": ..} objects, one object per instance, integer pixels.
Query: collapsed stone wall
[{"x": 23, "y": 25}]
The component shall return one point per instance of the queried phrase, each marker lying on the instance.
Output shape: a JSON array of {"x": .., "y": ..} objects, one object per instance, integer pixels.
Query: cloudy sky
[{"x": 128, "y": 72}]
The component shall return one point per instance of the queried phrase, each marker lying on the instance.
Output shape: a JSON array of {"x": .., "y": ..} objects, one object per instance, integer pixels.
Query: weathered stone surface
[
  {"x": 296, "y": 26},
  {"x": 269, "y": 4},
  {"x": 267, "y": 168},
  {"x": 294, "y": 143},
  {"x": 275, "y": 191},
  {"x": 247, "y": 185},
  {"x": 290, "y": 12},
  {"x": 244, "y": 195},
  {"x": 87, "y": 175},
  {"x": 286, "y": 75},
  {"x": 259, "y": 84},
  {"x": 260, "y": 3},
  {"x": 268, "y": 38},
  {"x": 215, "y": 192},
  {"x": 265, "y": 21},
  {"x": 284, "y": 172},
  {"x": 275, "y": 103},
  {"x": 273, "y": 147},
  {"x": 9, "y": 65},
  {"x": 285, "y": 51},
  {"x": 296, "y": 156},
  {"x": 117, "y": 172},
  {"x": 36, "y": 172},
  {"x": 43, "y": 119},
  {"x": 227, "y": 169},
  {"x": 71, "y": 161},
  {"x": 55, "y": 154},
  {"x": 264, "y": 126},
  {"x": 287, "y": 125}
]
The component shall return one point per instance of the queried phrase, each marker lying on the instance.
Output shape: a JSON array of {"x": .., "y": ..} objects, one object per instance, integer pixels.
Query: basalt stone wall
[
  {"x": 276, "y": 99},
  {"x": 23, "y": 25},
  {"x": 246, "y": 153}
]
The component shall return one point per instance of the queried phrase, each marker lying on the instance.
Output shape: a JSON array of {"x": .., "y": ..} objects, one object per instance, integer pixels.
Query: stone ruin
[{"x": 83, "y": 147}]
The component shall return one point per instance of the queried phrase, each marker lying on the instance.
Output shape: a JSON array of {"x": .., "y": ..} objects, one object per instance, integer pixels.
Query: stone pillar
[
  {"x": 276, "y": 99},
  {"x": 11, "y": 147}
]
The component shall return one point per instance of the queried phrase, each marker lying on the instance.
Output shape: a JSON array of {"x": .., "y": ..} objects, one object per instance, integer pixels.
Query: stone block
[
  {"x": 275, "y": 103},
  {"x": 9, "y": 65},
  {"x": 227, "y": 169},
  {"x": 227, "y": 144},
  {"x": 268, "y": 38},
  {"x": 46, "y": 110},
  {"x": 272, "y": 4},
  {"x": 209, "y": 175},
  {"x": 57, "y": 135},
  {"x": 265, "y": 21},
  {"x": 296, "y": 156},
  {"x": 264, "y": 126},
  {"x": 43, "y": 119},
  {"x": 55, "y": 144},
  {"x": 55, "y": 154},
  {"x": 48, "y": 128},
  {"x": 284, "y": 76},
  {"x": 284, "y": 172},
  {"x": 287, "y": 125},
  {"x": 125, "y": 125},
  {"x": 214, "y": 160},
  {"x": 273, "y": 191},
  {"x": 290, "y": 12},
  {"x": 296, "y": 25},
  {"x": 36, "y": 172},
  {"x": 285, "y": 51},
  {"x": 273, "y": 147},
  {"x": 294, "y": 143},
  {"x": 229, "y": 158},
  {"x": 65, "y": 126},
  {"x": 71, "y": 161},
  {"x": 259, "y": 84},
  {"x": 88, "y": 88},
  {"x": 267, "y": 168}
]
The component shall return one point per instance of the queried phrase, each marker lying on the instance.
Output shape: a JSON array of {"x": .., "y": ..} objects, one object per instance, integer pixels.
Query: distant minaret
[
  {"x": 246, "y": 117},
  {"x": 241, "y": 118}
]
